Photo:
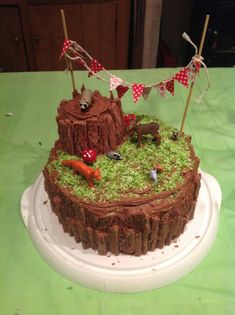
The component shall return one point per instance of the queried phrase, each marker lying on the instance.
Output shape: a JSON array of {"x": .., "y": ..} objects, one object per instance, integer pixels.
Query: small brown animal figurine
[
  {"x": 86, "y": 99},
  {"x": 145, "y": 129},
  {"x": 175, "y": 135},
  {"x": 79, "y": 167},
  {"x": 158, "y": 138}
]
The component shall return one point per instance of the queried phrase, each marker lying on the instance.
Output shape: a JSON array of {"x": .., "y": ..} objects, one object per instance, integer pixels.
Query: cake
[{"x": 141, "y": 198}]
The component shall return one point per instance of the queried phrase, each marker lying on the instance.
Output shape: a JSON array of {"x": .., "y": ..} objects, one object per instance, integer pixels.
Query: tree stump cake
[{"x": 101, "y": 127}]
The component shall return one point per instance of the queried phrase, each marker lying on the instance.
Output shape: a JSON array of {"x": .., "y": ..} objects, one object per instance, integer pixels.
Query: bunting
[
  {"x": 191, "y": 72},
  {"x": 197, "y": 66},
  {"x": 81, "y": 62},
  {"x": 146, "y": 92},
  {"x": 161, "y": 89},
  {"x": 95, "y": 67},
  {"x": 114, "y": 83},
  {"x": 66, "y": 46},
  {"x": 73, "y": 51},
  {"x": 170, "y": 86},
  {"x": 182, "y": 77},
  {"x": 137, "y": 90},
  {"x": 121, "y": 90}
]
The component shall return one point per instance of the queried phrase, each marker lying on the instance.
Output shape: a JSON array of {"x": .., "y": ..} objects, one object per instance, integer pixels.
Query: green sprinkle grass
[{"x": 130, "y": 176}]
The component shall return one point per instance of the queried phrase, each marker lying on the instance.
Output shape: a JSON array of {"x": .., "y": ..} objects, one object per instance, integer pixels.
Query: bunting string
[
  {"x": 73, "y": 51},
  {"x": 197, "y": 62}
]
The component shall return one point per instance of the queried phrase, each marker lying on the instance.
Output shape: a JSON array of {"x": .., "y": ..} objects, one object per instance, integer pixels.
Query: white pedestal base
[{"x": 122, "y": 273}]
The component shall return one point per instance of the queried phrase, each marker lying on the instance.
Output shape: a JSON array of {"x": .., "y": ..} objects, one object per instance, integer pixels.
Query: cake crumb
[
  {"x": 197, "y": 236},
  {"x": 176, "y": 246},
  {"x": 153, "y": 269},
  {"x": 69, "y": 288},
  {"x": 108, "y": 255},
  {"x": 163, "y": 252},
  {"x": 113, "y": 263},
  {"x": 44, "y": 202},
  {"x": 9, "y": 114}
]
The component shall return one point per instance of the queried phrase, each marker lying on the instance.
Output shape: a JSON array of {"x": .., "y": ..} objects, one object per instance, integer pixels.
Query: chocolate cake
[{"x": 127, "y": 211}]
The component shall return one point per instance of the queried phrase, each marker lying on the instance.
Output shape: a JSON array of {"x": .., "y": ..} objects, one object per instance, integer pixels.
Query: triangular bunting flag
[
  {"x": 146, "y": 92},
  {"x": 114, "y": 82},
  {"x": 66, "y": 45},
  {"x": 161, "y": 89},
  {"x": 191, "y": 72},
  {"x": 137, "y": 90},
  {"x": 182, "y": 77},
  {"x": 170, "y": 86},
  {"x": 197, "y": 66},
  {"x": 121, "y": 90},
  {"x": 80, "y": 61},
  {"x": 95, "y": 67}
]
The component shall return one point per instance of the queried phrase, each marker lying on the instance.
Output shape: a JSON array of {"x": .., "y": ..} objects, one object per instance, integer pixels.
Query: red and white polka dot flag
[
  {"x": 114, "y": 82},
  {"x": 191, "y": 72},
  {"x": 197, "y": 66},
  {"x": 66, "y": 45},
  {"x": 182, "y": 77},
  {"x": 95, "y": 67},
  {"x": 121, "y": 90},
  {"x": 161, "y": 89},
  {"x": 137, "y": 90},
  {"x": 170, "y": 86},
  {"x": 146, "y": 92}
]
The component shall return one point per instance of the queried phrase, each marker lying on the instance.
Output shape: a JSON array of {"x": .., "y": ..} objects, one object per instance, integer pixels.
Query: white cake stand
[{"x": 122, "y": 273}]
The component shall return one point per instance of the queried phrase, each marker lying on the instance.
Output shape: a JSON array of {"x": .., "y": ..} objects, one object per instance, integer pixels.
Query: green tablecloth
[{"x": 28, "y": 285}]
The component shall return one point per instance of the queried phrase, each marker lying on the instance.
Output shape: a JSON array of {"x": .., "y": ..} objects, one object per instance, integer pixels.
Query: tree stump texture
[{"x": 101, "y": 128}]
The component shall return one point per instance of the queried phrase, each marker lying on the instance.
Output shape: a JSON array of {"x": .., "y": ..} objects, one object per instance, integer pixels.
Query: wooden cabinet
[
  {"x": 35, "y": 35},
  {"x": 12, "y": 50}
]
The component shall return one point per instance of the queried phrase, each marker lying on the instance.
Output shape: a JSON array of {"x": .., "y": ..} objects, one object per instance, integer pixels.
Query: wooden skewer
[
  {"x": 69, "y": 63},
  {"x": 203, "y": 35},
  {"x": 192, "y": 84}
]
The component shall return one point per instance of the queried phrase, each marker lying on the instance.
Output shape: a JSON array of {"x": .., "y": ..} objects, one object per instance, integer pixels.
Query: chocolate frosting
[
  {"x": 133, "y": 225},
  {"x": 72, "y": 111},
  {"x": 101, "y": 128}
]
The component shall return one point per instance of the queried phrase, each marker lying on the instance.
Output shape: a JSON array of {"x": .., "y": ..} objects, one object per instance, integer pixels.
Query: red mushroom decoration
[
  {"x": 159, "y": 168},
  {"x": 89, "y": 156},
  {"x": 129, "y": 118}
]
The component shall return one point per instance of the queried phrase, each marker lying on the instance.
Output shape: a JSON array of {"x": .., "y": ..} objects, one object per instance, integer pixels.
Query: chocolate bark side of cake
[{"x": 129, "y": 226}]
